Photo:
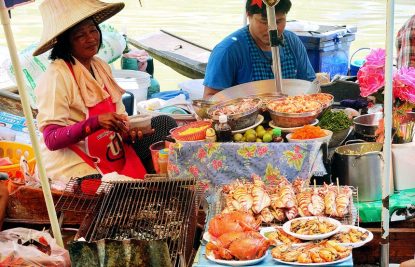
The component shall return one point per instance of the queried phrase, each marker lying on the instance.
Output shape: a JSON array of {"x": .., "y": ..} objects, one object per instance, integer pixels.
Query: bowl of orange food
[
  {"x": 310, "y": 133},
  {"x": 294, "y": 111},
  {"x": 193, "y": 131}
]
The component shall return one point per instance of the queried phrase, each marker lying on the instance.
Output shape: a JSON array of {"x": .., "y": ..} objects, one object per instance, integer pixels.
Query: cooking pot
[
  {"x": 366, "y": 125},
  {"x": 360, "y": 165}
]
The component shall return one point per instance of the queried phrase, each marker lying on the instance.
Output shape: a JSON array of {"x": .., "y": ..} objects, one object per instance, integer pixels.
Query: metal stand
[{"x": 275, "y": 42}]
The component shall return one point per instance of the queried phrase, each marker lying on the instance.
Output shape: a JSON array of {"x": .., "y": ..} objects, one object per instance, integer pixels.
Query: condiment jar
[
  {"x": 276, "y": 135},
  {"x": 162, "y": 160}
]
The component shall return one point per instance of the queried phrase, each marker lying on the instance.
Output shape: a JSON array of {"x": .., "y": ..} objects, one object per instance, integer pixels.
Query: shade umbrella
[{"x": 5, "y": 21}]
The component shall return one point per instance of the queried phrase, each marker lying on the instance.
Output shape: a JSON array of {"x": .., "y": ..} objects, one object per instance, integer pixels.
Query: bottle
[
  {"x": 276, "y": 135},
  {"x": 162, "y": 160},
  {"x": 210, "y": 135},
  {"x": 223, "y": 130}
]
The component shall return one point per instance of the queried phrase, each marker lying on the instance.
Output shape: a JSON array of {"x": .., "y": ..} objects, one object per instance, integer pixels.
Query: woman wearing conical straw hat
[{"x": 81, "y": 115}]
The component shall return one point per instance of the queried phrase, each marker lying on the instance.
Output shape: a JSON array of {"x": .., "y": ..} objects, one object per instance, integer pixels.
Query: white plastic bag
[{"x": 14, "y": 254}]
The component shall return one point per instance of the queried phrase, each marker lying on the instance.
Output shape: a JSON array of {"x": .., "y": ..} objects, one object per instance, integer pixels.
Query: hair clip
[{"x": 257, "y": 2}]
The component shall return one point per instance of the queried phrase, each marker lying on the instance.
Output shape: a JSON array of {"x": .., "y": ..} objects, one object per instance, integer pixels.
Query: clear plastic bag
[{"x": 13, "y": 252}]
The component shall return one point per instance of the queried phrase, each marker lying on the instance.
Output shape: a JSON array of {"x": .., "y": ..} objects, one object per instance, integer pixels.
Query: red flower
[
  {"x": 262, "y": 150},
  {"x": 201, "y": 153},
  {"x": 194, "y": 170},
  {"x": 217, "y": 164},
  {"x": 173, "y": 168}
]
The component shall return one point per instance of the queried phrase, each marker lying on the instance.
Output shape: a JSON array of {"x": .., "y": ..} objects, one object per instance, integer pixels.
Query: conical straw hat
[{"x": 60, "y": 15}]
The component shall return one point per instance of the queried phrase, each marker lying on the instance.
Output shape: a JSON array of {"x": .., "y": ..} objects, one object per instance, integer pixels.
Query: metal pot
[
  {"x": 366, "y": 125},
  {"x": 360, "y": 165}
]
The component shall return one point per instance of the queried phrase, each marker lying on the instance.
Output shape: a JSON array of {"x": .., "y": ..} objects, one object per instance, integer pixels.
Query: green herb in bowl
[{"x": 334, "y": 121}]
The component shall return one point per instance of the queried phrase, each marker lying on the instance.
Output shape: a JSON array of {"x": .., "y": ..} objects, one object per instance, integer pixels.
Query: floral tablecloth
[{"x": 221, "y": 163}]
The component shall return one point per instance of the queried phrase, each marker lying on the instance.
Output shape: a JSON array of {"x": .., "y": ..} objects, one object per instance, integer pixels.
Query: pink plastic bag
[{"x": 14, "y": 253}]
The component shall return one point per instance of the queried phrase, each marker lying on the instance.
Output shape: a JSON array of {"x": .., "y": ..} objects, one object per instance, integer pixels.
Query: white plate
[
  {"x": 237, "y": 263},
  {"x": 265, "y": 230},
  {"x": 258, "y": 121},
  {"x": 345, "y": 228},
  {"x": 287, "y": 227},
  {"x": 289, "y": 130},
  {"x": 207, "y": 237},
  {"x": 314, "y": 264}
]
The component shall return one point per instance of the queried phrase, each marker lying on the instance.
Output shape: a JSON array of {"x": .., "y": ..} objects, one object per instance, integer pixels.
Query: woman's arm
[{"x": 57, "y": 136}]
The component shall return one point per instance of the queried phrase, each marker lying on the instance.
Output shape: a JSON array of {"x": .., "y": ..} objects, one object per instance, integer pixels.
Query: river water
[{"x": 207, "y": 22}]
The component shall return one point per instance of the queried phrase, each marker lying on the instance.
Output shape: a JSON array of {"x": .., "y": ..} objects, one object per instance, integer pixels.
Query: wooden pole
[{"x": 5, "y": 21}]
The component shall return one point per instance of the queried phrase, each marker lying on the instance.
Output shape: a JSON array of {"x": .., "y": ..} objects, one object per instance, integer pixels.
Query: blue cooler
[{"x": 328, "y": 48}]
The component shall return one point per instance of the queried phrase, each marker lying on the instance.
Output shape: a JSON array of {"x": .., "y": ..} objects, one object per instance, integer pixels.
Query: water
[{"x": 207, "y": 22}]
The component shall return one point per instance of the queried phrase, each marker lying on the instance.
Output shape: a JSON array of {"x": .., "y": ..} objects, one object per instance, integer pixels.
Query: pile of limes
[{"x": 259, "y": 134}]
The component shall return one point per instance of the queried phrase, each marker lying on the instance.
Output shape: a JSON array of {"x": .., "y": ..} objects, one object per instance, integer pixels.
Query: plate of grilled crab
[
  {"x": 278, "y": 236},
  {"x": 353, "y": 236},
  {"x": 326, "y": 252},
  {"x": 312, "y": 228}
]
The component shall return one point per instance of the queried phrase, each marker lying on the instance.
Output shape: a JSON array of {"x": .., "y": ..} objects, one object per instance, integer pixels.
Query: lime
[
  {"x": 260, "y": 133},
  {"x": 267, "y": 137},
  {"x": 250, "y": 137},
  {"x": 259, "y": 140},
  {"x": 237, "y": 137},
  {"x": 250, "y": 131}
]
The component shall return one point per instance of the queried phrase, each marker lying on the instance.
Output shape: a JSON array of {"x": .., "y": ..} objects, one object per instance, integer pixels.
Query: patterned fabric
[
  {"x": 289, "y": 68},
  {"x": 222, "y": 163},
  {"x": 405, "y": 44},
  {"x": 372, "y": 211}
]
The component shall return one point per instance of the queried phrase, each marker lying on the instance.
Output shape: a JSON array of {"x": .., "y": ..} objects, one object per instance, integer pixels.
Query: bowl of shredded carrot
[{"x": 310, "y": 133}]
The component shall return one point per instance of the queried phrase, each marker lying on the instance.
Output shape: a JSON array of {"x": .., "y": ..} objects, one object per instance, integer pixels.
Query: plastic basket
[
  {"x": 199, "y": 135},
  {"x": 14, "y": 151}
]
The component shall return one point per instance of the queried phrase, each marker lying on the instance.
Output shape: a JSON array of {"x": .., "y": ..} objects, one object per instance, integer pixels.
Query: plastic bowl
[
  {"x": 200, "y": 134},
  {"x": 240, "y": 120},
  {"x": 141, "y": 121},
  {"x": 324, "y": 139}
]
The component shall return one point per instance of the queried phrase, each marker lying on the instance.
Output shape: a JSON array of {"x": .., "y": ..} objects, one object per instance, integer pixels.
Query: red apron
[{"x": 105, "y": 150}]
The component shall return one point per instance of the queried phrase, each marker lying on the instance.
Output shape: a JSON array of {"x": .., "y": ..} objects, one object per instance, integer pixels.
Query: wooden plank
[{"x": 183, "y": 56}]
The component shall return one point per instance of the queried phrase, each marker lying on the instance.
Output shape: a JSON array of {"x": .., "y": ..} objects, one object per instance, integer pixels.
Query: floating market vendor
[
  {"x": 245, "y": 55},
  {"x": 81, "y": 115}
]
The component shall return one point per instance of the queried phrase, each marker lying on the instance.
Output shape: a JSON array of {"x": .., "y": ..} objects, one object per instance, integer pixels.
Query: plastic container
[
  {"x": 154, "y": 150},
  {"x": 195, "y": 88},
  {"x": 200, "y": 134},
  {"x": 403, "y": 165},
  {"x": 276, "y": 135},
  {"x": 141, "y": 121},
  {"x": 328, "y": 48},
  {"x": 14, "y": 151},
  {"x": 162, "y": 160}
]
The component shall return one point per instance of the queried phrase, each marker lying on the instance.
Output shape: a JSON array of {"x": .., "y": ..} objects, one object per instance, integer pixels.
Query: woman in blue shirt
[{"x": 245, "y": 55}]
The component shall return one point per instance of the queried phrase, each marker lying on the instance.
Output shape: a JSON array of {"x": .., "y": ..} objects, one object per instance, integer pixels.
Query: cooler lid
[{"x": 314, "y": 33}]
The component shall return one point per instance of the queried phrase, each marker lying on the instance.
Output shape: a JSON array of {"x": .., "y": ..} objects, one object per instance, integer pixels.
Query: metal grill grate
[
  {"x": 150, "y": 209},
  {"x": 81, "y": 196}
]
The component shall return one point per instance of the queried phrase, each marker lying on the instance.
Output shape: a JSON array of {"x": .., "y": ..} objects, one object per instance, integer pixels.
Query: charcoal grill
[{"x": 156, "y": 208}]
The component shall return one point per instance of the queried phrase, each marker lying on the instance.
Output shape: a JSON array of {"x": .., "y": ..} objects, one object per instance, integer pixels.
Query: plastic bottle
[
  {"x": 223, "y": 130},
  {"x": 276, "y": 135},
  {"x": 162, "y": 160}
]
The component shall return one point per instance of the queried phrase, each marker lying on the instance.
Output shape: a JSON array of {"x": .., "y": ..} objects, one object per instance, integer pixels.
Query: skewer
[{"x": 338, "y": 187}]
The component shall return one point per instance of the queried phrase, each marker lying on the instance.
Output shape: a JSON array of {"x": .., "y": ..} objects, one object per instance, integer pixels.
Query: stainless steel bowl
[
  {"x": 240, "y": 120},
  {"x": 366, "y": 125},
  {"x": 289, "y": 120},
  {"x": 201, "y": 107}
]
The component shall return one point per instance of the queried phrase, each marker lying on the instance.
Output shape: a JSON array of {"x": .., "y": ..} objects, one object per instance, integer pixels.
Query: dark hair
[
  {"x": 283, "y": 6},
  {"x": 62, "y": 48}
]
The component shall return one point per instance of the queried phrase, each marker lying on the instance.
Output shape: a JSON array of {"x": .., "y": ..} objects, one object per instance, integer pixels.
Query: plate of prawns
[{"x": 326, "y": 252}]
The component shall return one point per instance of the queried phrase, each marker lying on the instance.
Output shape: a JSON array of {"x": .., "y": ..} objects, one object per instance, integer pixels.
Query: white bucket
[
  {"x": 403, "y": 166},
  {"x": 195, "y": 88},
  {"x": 136, "y": 82}
]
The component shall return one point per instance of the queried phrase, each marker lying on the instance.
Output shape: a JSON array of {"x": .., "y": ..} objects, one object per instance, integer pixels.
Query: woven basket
[{"x": 196, "y": 136}]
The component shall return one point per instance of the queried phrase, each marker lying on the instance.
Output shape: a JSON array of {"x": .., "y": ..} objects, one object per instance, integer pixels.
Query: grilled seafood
[
  {"x": 278, "y": 214},
  {"x": 245, "y": 200},
  {"x": 291, "y": 213},
  {"x": 260, "y": 197},
  {"x": 350, "y": 236},
  {"x": 280, "y": 236},
  {"x": 316, "y": 206},
  {"x": 304, "y": 201},
  {"x": 330, "y": 202},
  {"x": 266, "y": 215},
  {"x": 238, "y": 245},
  {"x": 312, "y": 226},
  {"x": 326, "y": 251},
  {"x": 235, "y": 221},
  {"x": 343, "y": 201}
]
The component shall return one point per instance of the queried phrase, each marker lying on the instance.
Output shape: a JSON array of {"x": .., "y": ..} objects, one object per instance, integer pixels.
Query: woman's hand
[
  {"x": 136, "y": 134},
  {"x": 114, "y": 122}
]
